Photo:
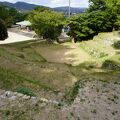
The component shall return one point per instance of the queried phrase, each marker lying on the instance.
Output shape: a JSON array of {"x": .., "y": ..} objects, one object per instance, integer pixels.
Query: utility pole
[{"x": 69, "y": 9}]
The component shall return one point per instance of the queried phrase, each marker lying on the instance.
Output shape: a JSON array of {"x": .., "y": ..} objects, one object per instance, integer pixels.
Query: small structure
[
  {"x": 64, "y": 37},
  {"x": 24, "y": 25}
]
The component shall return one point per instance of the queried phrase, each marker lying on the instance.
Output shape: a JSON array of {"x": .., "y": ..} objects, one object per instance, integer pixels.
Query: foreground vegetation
[
  {"x": 25, "y": 69},
  {"x": 25, "y": 64}
]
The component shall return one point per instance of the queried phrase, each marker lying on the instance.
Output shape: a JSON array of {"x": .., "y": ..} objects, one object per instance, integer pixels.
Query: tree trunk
[{"x": 50, "y": 41}]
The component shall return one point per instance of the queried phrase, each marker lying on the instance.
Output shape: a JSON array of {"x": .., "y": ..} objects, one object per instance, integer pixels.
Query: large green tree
[
  {"x": 112, "y": 7},
  {"x": 3, "y": 30},
  {"x": 101, "y": 16},
  {"x": 16, "y": 15},
  {"x": 96, "y": 5},
  {"x": 47, "y": 23},
  {"x": 85, "y": 26},
  {"x": 10, "y": 15},
  {"x": 102, "y": 5},
  {"x": 5, "y": 16}
]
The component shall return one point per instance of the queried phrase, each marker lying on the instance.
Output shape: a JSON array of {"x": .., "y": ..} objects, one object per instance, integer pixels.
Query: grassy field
[
  {"x": 22, "y": 66},
  {"x": 39, "y": 63},
  {"x": 48, "y": 70}
]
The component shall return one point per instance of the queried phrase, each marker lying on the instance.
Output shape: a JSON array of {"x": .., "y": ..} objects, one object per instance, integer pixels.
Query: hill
[
  {"x": 73, "y": 10},
  {"x": 19, "y": 5},
  {"x": 22, "y": 6}
]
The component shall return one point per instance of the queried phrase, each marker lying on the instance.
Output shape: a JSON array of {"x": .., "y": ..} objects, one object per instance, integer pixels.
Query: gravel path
[{"x": 14, "y": 37}]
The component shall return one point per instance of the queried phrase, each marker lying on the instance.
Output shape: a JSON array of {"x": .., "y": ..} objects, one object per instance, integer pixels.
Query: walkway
[{"x": 14, "y": 37}]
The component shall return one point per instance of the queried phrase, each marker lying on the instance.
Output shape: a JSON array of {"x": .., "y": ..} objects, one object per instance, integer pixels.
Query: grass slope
[{"x": 34, "y": 67}]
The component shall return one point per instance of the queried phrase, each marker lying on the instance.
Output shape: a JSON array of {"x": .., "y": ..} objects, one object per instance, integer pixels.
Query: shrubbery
[
  {"x": 110, "y": 65},
  {"x": 116, "y": 45},
  {"x": 25, "y": 91},
  {"x": 3, "y": 31}
]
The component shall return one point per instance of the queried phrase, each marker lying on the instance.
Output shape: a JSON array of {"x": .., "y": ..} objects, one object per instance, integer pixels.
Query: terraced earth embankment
[{"x": 84, "y": 86}]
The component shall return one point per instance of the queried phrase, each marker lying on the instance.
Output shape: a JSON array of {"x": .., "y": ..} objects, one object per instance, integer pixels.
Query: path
[
  {"x": 64, "y": 53},
  {"x": 14, "y": 37}
]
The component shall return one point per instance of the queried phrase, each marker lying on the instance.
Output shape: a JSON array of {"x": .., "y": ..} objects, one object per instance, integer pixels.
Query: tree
[
  {"x": 86, "y": 25},
  {"x": 47, "y": 24},
  {"x": 101, "y": 16},
  {"x": 17, "y": 16},
  {"x": 97, "y": 5},
  {"x": 3, "y": 31},
  {"x": 10, "y": 15},
  {"x": 113, "y": 9},
  {"x": 117, "y": 23},
  {"x": 113, "y": 6},
  {"x": 5, "y": 16},
  {"x": 41, "y": 8},
  {"x": 102, "y": 5},
  {"x": 109, "y": 6}
]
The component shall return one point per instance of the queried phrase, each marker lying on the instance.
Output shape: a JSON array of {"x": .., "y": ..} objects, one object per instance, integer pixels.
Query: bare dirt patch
[{"x": 65, "y": 53}]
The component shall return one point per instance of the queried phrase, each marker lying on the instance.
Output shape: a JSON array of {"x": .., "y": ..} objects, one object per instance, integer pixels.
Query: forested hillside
[{"x": 27, "y": 7}]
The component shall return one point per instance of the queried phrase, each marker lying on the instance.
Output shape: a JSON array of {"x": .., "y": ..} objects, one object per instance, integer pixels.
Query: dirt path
[{"x": 65, "y": 53}]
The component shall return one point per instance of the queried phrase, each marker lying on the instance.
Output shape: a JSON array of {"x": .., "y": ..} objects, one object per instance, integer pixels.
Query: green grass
[
  {"x": 21, "y": 51},
  {"x": 12, "y": 81},
  {"x": 21, "y": 65},
  {"x": 72, "y": 94},
  {"x": 25, "y": 91},
  {"x": 24, "y": 70},
  {"x": 92, "y": 51}
]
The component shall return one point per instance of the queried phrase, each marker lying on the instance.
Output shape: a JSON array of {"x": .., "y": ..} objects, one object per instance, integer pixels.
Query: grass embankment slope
[
  {"x": 37, "y": 65},
  {"x": 48, "y": 70},
  {"x": 21, "y": 65}
]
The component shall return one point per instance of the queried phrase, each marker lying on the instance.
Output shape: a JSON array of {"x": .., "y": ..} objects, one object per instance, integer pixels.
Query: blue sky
[{"x": 54, "y": 3}]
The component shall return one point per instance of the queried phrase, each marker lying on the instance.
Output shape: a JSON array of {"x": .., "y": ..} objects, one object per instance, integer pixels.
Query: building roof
[{"x": 24, "y": 23}]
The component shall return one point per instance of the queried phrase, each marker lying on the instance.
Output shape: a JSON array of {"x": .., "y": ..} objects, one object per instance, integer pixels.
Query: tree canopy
[
  {"x": 5, "y": 16},
  {"x": 16, "y": 16},
  {"x": 96, "y": 5},
  {"x": 101, "y": 16},
  {"x": 47, "y": 23},
  {"x": 3, "y": 30},
  {"x": 10, "y": 15},
  {"x": 85, "y": 26}
]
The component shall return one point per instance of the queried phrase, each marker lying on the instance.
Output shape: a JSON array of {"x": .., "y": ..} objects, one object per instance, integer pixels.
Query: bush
[
  {"x": 3, "y": 31},
  {"x": 116, "y": 45},
  {"x": 25, "y": 91},
  {"x": 110, "y": 65}
]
